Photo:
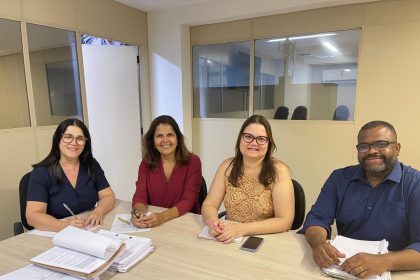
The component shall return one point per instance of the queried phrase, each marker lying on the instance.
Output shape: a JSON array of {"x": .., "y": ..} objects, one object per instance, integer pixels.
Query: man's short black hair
[{"x": 374, "y": 124}]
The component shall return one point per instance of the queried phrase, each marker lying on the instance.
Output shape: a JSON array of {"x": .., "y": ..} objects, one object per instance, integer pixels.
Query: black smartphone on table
[{"x": 252, "y": 244}]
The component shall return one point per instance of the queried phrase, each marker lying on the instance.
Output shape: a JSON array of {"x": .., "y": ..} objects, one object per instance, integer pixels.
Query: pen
[
  {"x": 124, "y": 221},
  {"x": 71, "y": 212}
]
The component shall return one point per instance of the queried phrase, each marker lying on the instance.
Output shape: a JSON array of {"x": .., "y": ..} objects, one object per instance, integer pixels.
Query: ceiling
[{"x": 156, "y": 5}]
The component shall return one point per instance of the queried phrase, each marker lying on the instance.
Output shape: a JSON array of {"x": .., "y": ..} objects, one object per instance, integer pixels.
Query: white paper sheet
[
  {"x": 351, "y": 247},
  {"x": 120, "y": 227},
  {"x": 69, "y": 259},
  {"x": 42, "y": 233},
  {"x": 204, "y": 234},
  {"x": 86, "y": 242},
  {"x": 33, "y": 272}
]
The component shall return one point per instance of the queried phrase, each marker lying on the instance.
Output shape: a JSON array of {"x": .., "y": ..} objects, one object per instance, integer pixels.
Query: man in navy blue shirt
[{"x": 374, "y": 200}]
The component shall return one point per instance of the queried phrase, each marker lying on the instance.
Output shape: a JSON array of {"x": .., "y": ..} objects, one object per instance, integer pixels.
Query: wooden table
[{"x": 179, "y": 254}]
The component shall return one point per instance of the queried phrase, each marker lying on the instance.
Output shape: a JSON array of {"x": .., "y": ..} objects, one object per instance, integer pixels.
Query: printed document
[
  {"x": 80, "y": 252},
  {"x": 351, "y": 247}
]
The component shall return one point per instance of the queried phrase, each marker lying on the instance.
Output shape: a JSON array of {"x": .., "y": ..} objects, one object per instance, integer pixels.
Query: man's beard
[{"x": 386, "y": 165}]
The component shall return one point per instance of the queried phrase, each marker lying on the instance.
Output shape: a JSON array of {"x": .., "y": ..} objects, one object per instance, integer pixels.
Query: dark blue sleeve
[
  {"x": 39, "y": 184},
  {"x": 323, "y": 212},
  {"x": 101, "y": 182},
  {"x": 413, "y": 180}
]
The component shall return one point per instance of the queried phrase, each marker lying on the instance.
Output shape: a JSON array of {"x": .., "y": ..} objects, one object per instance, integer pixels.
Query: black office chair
[
  {"x": 23, "y": 192},
  {"x": 300, "y": 206},
  {"x": 203, "y": 192}
]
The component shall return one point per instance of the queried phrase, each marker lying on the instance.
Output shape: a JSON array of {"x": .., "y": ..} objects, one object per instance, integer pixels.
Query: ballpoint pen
[
  {"x": 71, "y": 212},
  {"x": 124, "y": 221}
]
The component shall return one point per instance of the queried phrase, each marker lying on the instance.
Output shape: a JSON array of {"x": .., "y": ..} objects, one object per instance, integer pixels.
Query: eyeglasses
[
  {"x": 68, "y": 138},
  {"x": 248, "y": 138},
  {"x": 378, "y": 145}
]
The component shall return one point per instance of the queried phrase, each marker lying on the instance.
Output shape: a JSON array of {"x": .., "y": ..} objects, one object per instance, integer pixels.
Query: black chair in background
[
  {"x": 300, "y": 206},
  {"x": 282, "y": 113},
  {"x": 203, "y": 192},
  {"x": 300, "y": 113},
  {"x": 23, "y": 192}
]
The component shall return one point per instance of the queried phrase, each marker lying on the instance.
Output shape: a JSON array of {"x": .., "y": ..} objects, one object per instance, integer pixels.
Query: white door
[{"x": 112, "y": 92}]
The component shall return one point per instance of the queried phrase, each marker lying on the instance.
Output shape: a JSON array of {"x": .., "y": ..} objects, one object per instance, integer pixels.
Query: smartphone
[{"x": 252, "y": 244}]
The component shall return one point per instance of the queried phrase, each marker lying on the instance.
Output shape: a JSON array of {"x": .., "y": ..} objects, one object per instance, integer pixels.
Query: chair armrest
[
  {"x": 221, "y": 214},
  {"x": 18, "y": 228}
]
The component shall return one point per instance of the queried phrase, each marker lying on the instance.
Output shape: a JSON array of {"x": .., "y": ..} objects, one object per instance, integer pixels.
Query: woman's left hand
[
  {"x": 153, "y": 220},
  {"x": 94, "y": 219},
  {"x": 230, "y": 232}
]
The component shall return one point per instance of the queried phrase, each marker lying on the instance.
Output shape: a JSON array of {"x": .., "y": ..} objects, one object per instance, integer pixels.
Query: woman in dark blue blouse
[{"x": 68, "y": 175}]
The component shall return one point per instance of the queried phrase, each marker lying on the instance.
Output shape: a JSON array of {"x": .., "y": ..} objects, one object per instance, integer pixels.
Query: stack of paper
[
  {"x": 80, "y": 253},
  {"x": 136, "y": 249},
  {"x": 351, "y": 247}
]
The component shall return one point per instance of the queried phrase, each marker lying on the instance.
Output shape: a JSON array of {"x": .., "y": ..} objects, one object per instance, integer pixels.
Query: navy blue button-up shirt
[
  {"x": 42, "y": 187},
  {"x": 388, "y": 211}
]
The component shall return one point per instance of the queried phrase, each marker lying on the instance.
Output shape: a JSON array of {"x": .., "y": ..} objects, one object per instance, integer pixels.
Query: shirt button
[{"x": 369, "y": 208}]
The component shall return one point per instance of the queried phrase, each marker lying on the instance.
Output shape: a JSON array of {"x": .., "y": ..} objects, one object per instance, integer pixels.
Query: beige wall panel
[
  {"x": 388, "y": 85},
  {"x": 15, "y": 110},
  {"x": 60, "y": 13},
  {"x": 112, "y": 20},
  {"x": 10, "y": 9},
  {"x": 239, "y": 30},
  {"x": 394, "y": 11},
  {"x": 43, "y": 136},
  {"x": 311, "y": 149},
  {"x": 312, "y": 21},
  {"x": 17, "y": 154}
]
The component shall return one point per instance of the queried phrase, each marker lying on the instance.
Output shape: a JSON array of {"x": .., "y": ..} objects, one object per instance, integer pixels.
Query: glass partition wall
[
  {"x": 14, "y": 109},
  {"x": 55, "y": 75},
  {"x": 306, "y": 77},
  {"x": 221, "y": 80}
]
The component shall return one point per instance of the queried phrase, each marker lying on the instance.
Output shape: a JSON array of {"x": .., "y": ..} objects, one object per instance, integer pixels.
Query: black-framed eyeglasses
[
  {"x": 378, "y": 145},
  {"x": 248, "y": 138},
  {"x": 68, "y": 138}
]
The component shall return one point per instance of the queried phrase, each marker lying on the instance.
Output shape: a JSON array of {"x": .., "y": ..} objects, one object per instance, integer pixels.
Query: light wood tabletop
[{"x": 179, "y": 254}]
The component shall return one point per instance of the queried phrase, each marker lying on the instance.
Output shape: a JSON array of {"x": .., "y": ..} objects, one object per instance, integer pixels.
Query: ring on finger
[{"x": 361, "y": 269}]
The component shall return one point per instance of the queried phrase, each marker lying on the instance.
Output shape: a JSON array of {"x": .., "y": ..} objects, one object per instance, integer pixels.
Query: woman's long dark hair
[
  {"x": 151, "y": 155},
  {"x": 53, "y": 158},
  {"x": 268, "y": 172}
]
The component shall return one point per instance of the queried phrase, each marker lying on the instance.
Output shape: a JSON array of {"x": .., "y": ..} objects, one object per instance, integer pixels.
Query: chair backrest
[
  {"x": 23, "y": 193},
  {"x": 203, "y": 192},
  {"x": 300, "y": 205}
]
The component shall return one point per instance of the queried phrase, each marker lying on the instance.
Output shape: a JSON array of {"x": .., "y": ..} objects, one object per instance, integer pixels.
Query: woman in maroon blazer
[{"x": 169, "y": 175}]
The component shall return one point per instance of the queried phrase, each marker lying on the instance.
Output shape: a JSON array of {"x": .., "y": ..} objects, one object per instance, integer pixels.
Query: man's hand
[
  {"x": 364, "y": 265},
  {"x": 325, "y": 254}
]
